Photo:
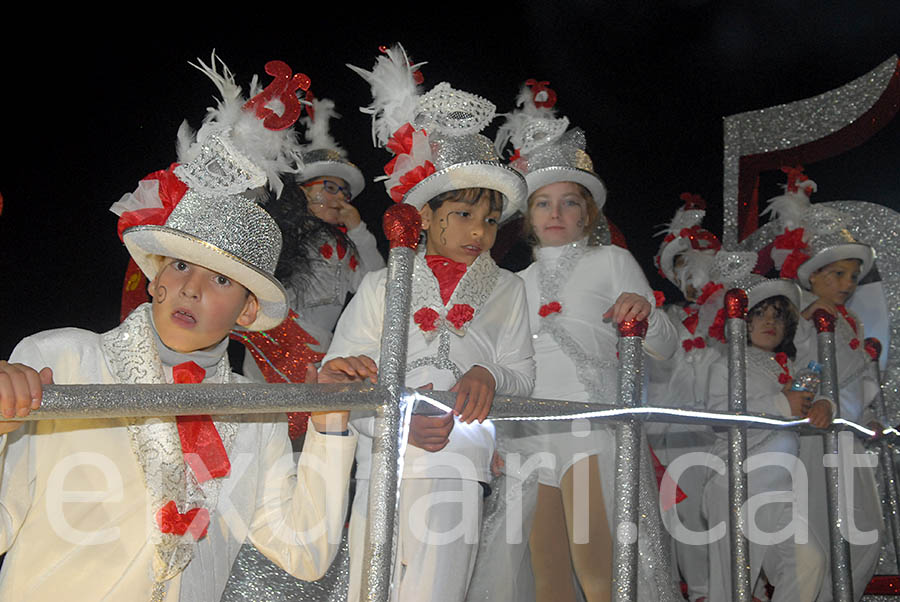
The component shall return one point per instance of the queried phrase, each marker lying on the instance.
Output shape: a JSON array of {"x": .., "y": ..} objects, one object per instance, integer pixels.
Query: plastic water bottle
[{"x": 807, "y": 379}]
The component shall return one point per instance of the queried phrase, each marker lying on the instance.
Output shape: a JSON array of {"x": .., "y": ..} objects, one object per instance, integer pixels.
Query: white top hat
[
  {"x": 814, "y": 236},
  {"x": 683, "y": 235},
  {"x": 198, "y": 212},
  {"x": 545, "y": 153},
  {"x": 323, "y": 156},
  {"x": 435, "y": 137}
]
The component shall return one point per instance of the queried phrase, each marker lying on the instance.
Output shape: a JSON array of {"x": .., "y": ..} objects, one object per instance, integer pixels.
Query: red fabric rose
[
  {"x": 790, "y": 239},
  {"x": 659, "y": 297},
  {"x": 784, "y": 378},
  {"x": 426, "y": 318},
  {"x": 717, "y": 328},
  {"x": 195, "y": 521},
  {"x": 782, "y": 359},
  {"x": 326, "y": 251},
  {"x": 792, "y": 262},
  {"x": 854, "y": 343},
  {"x": 697, "y": 343},
  {"x": 709, "y": 289},
  {"x": 691, "y": 322},
  {"x": 460, "y": 314},
  {"x": 549, "y": 308},
  {"x": 353, "y": 262},
  {"x": 410, "y": 179}
]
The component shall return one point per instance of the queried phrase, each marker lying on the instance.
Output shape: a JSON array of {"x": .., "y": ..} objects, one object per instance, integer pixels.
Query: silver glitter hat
[
  {"x": 828, "y": 247},
  {"x": 197, "y": 211},
  {"x": 683, "y": 235},
  {"x": 545, "y": 152},
  {"x": 434, "y": 137},
  {"x": 228, "y": 234},
  {"x": 323, "y": 156}
]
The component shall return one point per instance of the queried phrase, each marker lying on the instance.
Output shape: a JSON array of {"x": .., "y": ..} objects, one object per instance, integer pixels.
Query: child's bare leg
[
  {"x": 593, "y": 559},
  {"x": 549, "y": 543}
]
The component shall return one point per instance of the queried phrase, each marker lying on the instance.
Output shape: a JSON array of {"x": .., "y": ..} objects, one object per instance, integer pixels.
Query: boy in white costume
[
  {"x": 157, "y": 508},
  {"x": 687, "y": 258},
  {"x": 468, "y": 333},
  {"x": 793, "y": 561},
  {"x": 828, "y": 263}
]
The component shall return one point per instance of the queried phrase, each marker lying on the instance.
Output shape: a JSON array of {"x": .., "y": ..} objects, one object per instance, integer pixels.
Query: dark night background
[{"x": 92, "y": 103}]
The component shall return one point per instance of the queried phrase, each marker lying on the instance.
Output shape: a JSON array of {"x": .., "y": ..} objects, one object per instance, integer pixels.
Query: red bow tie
[
  {"x": 200, "y": 441},
  {"x": 698, "y": 343},
  {"x": 447, "y": 272}
]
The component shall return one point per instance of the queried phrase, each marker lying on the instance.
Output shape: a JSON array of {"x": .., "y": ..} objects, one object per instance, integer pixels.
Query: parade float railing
[{"x": 393, "y": 403}]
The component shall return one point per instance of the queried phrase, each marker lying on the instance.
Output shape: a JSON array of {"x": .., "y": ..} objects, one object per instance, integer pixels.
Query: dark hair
[
  {"x": 785, "y": 311},
  {"x": 593, "y": 215},
  {"x": 301, "y": 232},
  {"x": 468, "y": 195}
]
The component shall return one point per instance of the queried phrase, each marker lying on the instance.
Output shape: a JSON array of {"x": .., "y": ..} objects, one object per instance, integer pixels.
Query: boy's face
[
  {"x": 195, "y": 308},
  {"x": 460, "y": 231},
  {"x": 836, "y": 282}
]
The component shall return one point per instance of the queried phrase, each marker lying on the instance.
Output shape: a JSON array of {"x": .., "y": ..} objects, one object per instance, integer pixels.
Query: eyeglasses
[{"x": 331, "y": 187}]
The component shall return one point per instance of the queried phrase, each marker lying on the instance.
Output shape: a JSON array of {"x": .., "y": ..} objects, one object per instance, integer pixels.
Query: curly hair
[
  {"x": 787, "y": 313},
  {"x": 301, "y": 232}
]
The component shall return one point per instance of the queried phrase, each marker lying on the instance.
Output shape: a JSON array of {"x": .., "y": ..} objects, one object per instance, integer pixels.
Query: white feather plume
[
  {"x": 513, "y": 129},
  {"x": 317, "y": 130},
  {"x": 274, "y": 151},
  {"x": 788, "y": 208},
  {"x": 394, "y": 93}
]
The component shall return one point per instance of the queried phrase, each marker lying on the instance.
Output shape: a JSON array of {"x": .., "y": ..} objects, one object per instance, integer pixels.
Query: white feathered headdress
[{"x": 534, "y": 122}]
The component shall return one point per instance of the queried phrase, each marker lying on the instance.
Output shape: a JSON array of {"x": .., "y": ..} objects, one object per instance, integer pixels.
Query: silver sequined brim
[
  {"x": 473, "y": 174},
  {"x": 145, "y": 243},
  {"x": 855, "y": 250},
  {"x": 550, "y": 175},
  {"x": 772, "y": 288},
  {"x": 339, "y": 169}
]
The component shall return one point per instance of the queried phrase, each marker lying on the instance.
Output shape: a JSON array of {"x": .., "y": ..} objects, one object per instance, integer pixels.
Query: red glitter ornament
[
  {"x": 283, "y": 88},
  {"x": 633, "y": 328},
  {"x": 402, "y": 226},
  {"x": 823, "y": 321},
  {"x": 542, "y": 96},
  {"x": 426, "y": 318},
  {"x": 549, "y": 308},
  {"x": 873, "y": 347},
  {"x": 736, "y": 304}
]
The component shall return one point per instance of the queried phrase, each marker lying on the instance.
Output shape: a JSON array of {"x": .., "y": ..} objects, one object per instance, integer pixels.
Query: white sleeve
[
  {"x": 358, "y": 331},
  {"x": 17, "y": 478},
  {"x": 299, "y": 517},
  {"x": 370, "y": 260},
  {"x": 513, "y": 365},
  {"x": 662, "y": 338}
]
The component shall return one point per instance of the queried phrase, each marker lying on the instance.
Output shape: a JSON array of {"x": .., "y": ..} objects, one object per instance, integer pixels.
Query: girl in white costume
[
  {"x": 827, "y": 262},
  {"x": 576, "y": 295},
  {"x": 793, "y": 561}
]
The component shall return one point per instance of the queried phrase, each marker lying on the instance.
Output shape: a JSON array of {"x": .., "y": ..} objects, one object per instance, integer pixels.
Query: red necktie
[{"x": 200, "y": 441}]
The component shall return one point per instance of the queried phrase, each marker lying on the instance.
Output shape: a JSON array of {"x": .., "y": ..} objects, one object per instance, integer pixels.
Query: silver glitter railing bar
[
  {"x": 628, "y": 462},
  {"x": 736, "y": 333},
  {"x": 890, "y": 499},
  {"x": 384, "y": 481},
  {"x": 841, "y": 579},
  {"x": 791, "y": 125}
]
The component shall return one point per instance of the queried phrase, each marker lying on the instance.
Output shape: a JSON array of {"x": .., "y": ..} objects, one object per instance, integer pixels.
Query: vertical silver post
[
  {"x": 891, "y": 501},
  {"x": 402, "y": 226},
  {"x": 841, "y": 582},
  {"x": 628, "y": 462},
  {"x": 736, "y": 332}
]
